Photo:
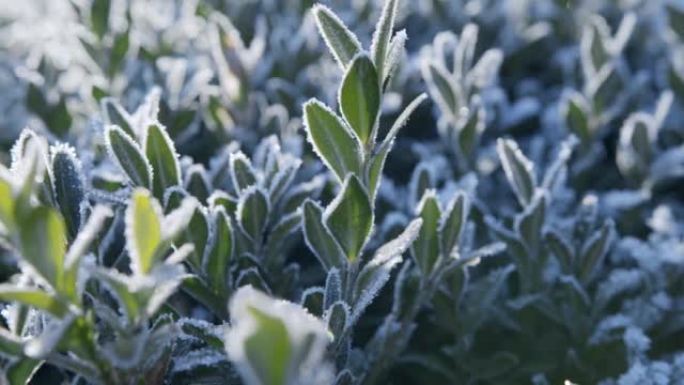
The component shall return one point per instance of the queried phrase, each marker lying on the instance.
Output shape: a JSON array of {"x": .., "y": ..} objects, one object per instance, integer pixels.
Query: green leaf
[
  {"x": 128, "y": 156},
  {"x": 282, "y": 231},
  {"x": 271, "y": 341},
  {"x": 252, "y": 213},
  {"x": 68, "y": 183},
  {"x": 197, "y": 182},
  {"x": 319, "y": 238},
  {"x": 162, "y": 156},
  {"x": 469, "y": 132},
  {"x": 115, "y": 114},
  {"x": 425, "y": 249},
  {"x": 197, "y": 234},
  {"x": 199, "y": 290},
  {"x": 378, "y": 160},
  {"x": 21, "y": 371},
  {"x": 453, "y": 222},
  {"x": 118, "y": 53},
  {"x": 441, "y": 89},
  {"x": 381, "y": 37},
  {"x": 241, "y": 172},
  {"x": 80, "y": 246},
  {"x": 577, "y": 116},
  {"x": 6, "y": 203},
  {"x": 333, "y": 141},
  {"x": 360, "y": 97},
  {"x": 343, "y": 44},
  {"x": 119, "y": 286},
  {"x": 10, "y": 345},
  {"x": 99, "y": 17},
  {"x": 43, "y": 244},
  {"x": 350, "y": 217},
  {"x": 394, "y": 57},
  {"x": 338, "y": 318},
  {"x": 268, "y": 349},
  {"x": 561, "y": 248},
  {"x": 221, "y": 250},
  {"x": 593, "y": 251},
  {"x": 375, "y": 169},
  {"x": 143, "y": 230},
  {"x": 518, "y": 169},
  {"x": 376, "y": 273},
  {"x": 34, "y": 298},
  {"x": 529, "y": 223}
]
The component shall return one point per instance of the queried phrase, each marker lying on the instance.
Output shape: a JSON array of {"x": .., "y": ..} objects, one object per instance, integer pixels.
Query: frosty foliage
[{"x": 350, "y": 193}]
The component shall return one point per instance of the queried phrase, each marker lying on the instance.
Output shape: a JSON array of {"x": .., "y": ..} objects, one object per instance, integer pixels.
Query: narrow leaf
[
  {"x": 333, "y": 141},
  {"x": 350, "y": 217},
  {"x": 143, "y": 230},
  {"x": 221, "y": 251},
  {"x": 519, "y": 170},
  {"x": 128, "y": 155},
  {"x": 343, "y": 44},
  {"x": 252, "y": 213},
  {"x": 360, "y": 97},
  {"x": 68, "y": 185},
  {"x": 453, "y": 223},
  {"x": 162, "y": 156},
  {"x": 381, "y": 36},
  {"x": 319, "y": 238},
  {"x": 425, "y": 249}
]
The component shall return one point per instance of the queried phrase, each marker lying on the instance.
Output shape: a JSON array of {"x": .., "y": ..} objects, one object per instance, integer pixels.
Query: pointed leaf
[
  {"x": 519, "y": 170},
  {"x": 68, "y": 186},
  {"x": 381, "y": 37},
  {"x": 594, "y": 250},
  {"x": 128, "y": 155},
  {"x": 143, "y": 230},
  {"x": 318, "y": 237},
  {"x": 241, "y": 172},
  {"x": 221, "y": 250},
  {"x": 350, "y": 217},
  {"x": 43, "y": 244},
  {"x": 360, "y": 97},
  {"x": 333, "y": 141},
  {"x": 161, "y": 154},
  {"x": 453, "y": 223},
  {"x": 252, "y": 213},
  {"x": 34, "y": 298},
  {"x": 425, "y": 249},
  {"x": 343, "y": 44}
]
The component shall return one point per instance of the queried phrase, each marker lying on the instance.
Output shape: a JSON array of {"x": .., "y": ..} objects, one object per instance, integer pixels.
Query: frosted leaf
[
  {"x": 206, "y": 357},
  {"x": 518, "y": 169},
  {"x": 333, "y": 288},
  {"x": 180, "y": 254},
  {"x": 174, "y": 223},
  {"x": 343, "y": 44},
  {"x": 301, "y": 338},
  {"x": 87, "y": 234},
  {"x": 44, "y": 344},
  {"x": 189, "y": 325},
  {"x": 371, "y": 279},
  {"x": 486, "y": 70},
  {"x": 165, "y": 281}
]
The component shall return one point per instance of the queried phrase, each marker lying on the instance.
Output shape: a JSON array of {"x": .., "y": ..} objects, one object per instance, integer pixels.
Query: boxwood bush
[{"x": 277, "y": 192}]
